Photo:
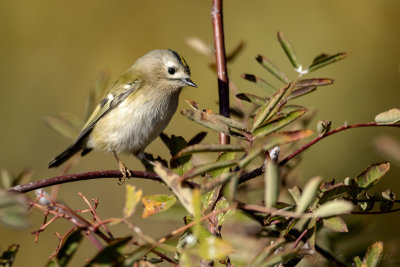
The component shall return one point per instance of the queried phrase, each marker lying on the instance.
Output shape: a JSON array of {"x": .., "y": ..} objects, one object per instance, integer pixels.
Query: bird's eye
[{"x": 171, "y": 71}]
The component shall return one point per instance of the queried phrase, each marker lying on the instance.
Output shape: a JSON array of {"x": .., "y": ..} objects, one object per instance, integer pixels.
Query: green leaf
[
  {"x": 154, "y": 204},
  {"x": 271, "y": 182},
  {"x": 214, "y": 248},
  {"x": 267, "y": 251},
  {"x": 131, "y": 200},
  {"x": 335, "y": 224},
  {"x": 282, "y": 257},
  {"x": 172, "y": 180},
  {"x": 309, "y": 194},
  {"x": 111, "y": 254},
  {"x": 259, "y": 82},
  {"x": 257, "y": 100},
  {"x": 251, "y": 155},
  {"x": 61, "y": 126},
  {"x": 13, "y": 210},
  {"x": 374, "y": 254},
  {"x": 202, "y": 169},
  {"x": 68, "y": 249},
  {"x": 205, "y": 148},
  {"x": 174, "y": 143},
  {"x": 235, "y": 124},
  {"x": 271, "y": 68},
  {"x": 197, "y": 138},
  {"x": 357, "y": 261},
  {"x": 222, "y": 203},
  {"x": 301, "y": 91},
  {"x": 289, "y": 50},
  {"x": 325, "y": 59},
  {"x": 266, "y": 109},
  {"x": 197, "y": 215},
  {"x": 388, "y": 117},
  {"x": 210, "y": 121},
  {"x": 136, "y": 255},
  {"x": 278, "y": 123},
  {"x": 312, "y": 82},
  {"x": 8, "y": 257},
  {"x": 295, "y": 193},
  {"x": 333, "y": 208},
  {"x": 227, "y": 156},
  {"x": 372, "y": 175},
  {"x": 282, "y": 138}
]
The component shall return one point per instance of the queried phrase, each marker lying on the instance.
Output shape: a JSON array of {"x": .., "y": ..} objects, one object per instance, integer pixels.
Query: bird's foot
[{"x": 125, "y": 173}]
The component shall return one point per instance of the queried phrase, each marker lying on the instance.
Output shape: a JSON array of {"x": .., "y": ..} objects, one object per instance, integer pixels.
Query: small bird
[{"x": 135, "y": 110}]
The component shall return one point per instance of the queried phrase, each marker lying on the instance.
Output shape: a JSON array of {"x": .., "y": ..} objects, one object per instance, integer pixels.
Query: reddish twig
[
  {"x": 257, "y": 172},
  {"x": 220, "y": 60},
  {"x": 86, "y": 176},
  {"x": 342, "y": 128}
]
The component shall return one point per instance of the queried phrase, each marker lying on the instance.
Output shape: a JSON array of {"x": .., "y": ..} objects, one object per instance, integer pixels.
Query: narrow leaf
[
  {"x": 267, "y": 108},
  {"x": 309, "y": 194},
  {"x": 259, "y": 82},
  {"x": 374, "y": 254},
  {"x": 68, "y": 249},
  {"x": 267, "y": 251},
  {"x": 199, "y": 45},
  {"x": 222, "y": 203},
  {"x": 13, "y": 210},
  {"x": 131, "y": 200},
  {"x": 295, "y": 193},
  {"x": 271, "y": 182},
  {"x": 289, "y": 50},
  {"x": 278, "y": 123},
  {"x": 271, "y": 68},
  {"x": 235, "y": 124},
  {"x": 197, "y": 138},
  {"x": 205, "y": 148},
  {"x": 171, "y": 179},
  {"x": 228, "y": 156},
  {"x": 333, "y": 208},
  {"x": 61, "y": 126},
  {"x": 202, "y": 169},
  {"x": 388, "y": 117},
  {"x": 301, "y": 91},
  {"x": 111, "y": 254},
  {"x": 214, "y": 248},
  {"x": 372, "y": 175},
  {"x": 257, "y": 100},
  {"x": 335, "y": 224},
  {"x": 8, "y": 256},
  {"x": 325, "y": 59},
  {"x": 314, "y": 81},
  {"x": 209, "y": 120}
]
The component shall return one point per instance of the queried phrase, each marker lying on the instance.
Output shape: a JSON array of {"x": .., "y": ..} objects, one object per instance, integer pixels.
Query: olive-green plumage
[{"x": 136, "y": 109}]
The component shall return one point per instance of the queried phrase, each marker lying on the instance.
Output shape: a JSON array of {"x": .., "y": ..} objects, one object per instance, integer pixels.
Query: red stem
[{"x": 220, "y": 59}]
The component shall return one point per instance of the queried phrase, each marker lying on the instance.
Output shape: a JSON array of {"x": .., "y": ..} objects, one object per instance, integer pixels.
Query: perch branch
[{"x": 86, "y": 176}]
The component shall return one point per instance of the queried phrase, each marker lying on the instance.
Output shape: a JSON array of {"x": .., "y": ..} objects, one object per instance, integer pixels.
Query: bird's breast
[{"x": 133, "y": 124}]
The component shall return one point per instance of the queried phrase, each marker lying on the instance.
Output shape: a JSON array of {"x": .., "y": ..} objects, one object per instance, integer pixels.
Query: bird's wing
[{"x": 114, "y": 96}]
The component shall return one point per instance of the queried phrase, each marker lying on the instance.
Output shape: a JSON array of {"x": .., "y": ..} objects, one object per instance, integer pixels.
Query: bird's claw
[{"x": 125, "y": 173}]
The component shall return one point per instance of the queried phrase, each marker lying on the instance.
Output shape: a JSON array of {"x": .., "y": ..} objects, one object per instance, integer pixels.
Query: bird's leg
[{"x": 124, "y": 170}]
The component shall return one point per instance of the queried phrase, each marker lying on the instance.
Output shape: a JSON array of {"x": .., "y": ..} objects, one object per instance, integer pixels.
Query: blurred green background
[{"x": 51, "y": 54}]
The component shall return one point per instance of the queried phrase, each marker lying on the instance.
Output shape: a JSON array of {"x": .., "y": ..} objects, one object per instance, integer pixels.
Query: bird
[{"x": 135, "y": 110}]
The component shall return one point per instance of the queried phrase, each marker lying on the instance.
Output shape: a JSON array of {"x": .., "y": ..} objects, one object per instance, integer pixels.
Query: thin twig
[
  {"x": 220, "y": 60},
  {"x": 87, "y": 176},
  {"x": 257, "y": 172}
]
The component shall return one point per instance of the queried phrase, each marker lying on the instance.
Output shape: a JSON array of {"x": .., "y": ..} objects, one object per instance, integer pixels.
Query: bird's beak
[{"x": 189, "y": 82}]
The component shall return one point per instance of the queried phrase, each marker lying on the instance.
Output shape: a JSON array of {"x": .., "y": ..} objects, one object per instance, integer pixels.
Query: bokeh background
[{"x": 51, "y": 54}]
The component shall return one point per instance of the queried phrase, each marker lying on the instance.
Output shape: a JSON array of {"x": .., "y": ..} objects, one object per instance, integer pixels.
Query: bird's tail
[{"x": 64, "y": 156}]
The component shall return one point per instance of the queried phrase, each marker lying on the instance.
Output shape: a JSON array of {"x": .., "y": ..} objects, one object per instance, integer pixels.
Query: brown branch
[
  {"x": 220, "y": 60},
  {"x": 257, "y": 172},
  {"x": 87, "y": 176}
]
